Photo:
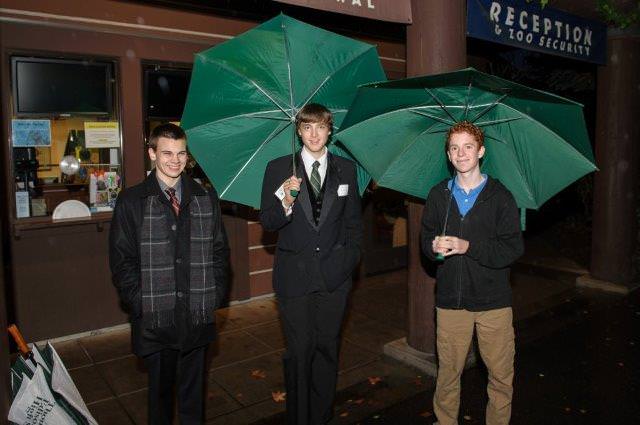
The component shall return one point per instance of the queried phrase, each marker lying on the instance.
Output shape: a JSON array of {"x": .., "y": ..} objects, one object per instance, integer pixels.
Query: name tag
[
  {"x": 343, "y": 190},
  {"x": 279, "y": 193}
]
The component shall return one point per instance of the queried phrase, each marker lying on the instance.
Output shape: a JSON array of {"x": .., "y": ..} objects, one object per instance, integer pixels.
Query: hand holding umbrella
[{"x": 291, "y": 187}]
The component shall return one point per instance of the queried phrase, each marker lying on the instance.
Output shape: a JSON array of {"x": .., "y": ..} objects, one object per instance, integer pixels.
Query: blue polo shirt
[{"x": 466, "y": 200}]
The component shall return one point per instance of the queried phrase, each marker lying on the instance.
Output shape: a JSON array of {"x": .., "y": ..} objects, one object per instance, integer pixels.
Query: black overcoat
[{"x": 124, "y": 260}]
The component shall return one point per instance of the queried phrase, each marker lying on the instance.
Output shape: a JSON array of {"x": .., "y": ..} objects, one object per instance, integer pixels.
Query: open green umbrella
[
  {"x": 245, "y": 94},
  {"x": 536, "y": 142}
]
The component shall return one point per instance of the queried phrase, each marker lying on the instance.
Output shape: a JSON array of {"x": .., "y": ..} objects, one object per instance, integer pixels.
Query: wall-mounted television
[
  {"x": 165, "y": 92},
  {"x": 61, "y": 87}
]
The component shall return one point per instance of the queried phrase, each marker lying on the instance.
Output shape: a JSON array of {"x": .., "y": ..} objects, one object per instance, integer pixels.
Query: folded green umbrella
[
  {"x": 536, "y": 142},
  {"x": 245, "y": 94}
]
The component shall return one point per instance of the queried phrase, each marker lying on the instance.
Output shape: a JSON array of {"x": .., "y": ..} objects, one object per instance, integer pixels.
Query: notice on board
[{"x": 102, "y": 134}]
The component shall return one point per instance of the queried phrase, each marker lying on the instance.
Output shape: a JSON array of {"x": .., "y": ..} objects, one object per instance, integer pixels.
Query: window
[
  {"x": 165, "y": 93},
  {"x": 65, "y": 134}
]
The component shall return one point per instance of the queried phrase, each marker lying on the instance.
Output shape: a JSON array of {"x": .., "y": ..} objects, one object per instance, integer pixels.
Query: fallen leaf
[
  {"x": 344, "y": 414},
  {"x": 373, "y": 380},
  {"x": 426, "y": 414},
  {"x": 541, "y": 375},
  {"x": 358, "y": 401},
  {"x": 567, "y": 409},
  {"x": 278, "y": 396},
  {"x": 239, "y": 395},
  {"x": 258, "y": 374},
  {"x": 583, "y": 411},
  {"x": 620, "y": 364},
  {"x": 467, "y": 417}
]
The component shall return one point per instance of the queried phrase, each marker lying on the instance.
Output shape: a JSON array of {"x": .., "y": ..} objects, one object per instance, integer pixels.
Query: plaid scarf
[{"x": 157, "y": 255}]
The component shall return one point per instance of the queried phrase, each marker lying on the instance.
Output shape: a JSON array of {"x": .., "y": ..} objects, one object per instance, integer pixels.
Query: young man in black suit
[{"x": 319, "y": 237}]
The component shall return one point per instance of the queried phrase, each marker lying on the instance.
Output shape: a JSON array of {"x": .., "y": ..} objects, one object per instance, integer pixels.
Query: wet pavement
[
  {"x": 578, "y": 359},
  {"x": 576, "y": 364}
]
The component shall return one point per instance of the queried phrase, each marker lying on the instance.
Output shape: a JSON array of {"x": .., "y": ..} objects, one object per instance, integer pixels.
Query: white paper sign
[
  {"x": 343, "y": 190},
  {"x": 22, "y": 204},
  {"x": 102, "y": 134}
]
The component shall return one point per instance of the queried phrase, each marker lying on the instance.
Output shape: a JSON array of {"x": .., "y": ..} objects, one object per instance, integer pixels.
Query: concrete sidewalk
[{"x": 246, "y": 369}]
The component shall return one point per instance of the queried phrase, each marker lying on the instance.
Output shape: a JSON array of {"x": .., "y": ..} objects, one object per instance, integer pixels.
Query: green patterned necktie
[{"x": 315, "y": 179}]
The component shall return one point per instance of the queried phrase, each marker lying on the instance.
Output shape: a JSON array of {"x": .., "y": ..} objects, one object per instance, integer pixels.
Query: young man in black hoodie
[{"x": 473, "y": 222}]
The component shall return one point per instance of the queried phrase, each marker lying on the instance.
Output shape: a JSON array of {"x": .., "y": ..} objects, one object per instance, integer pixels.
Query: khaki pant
[{"x": 496, "y": 343}]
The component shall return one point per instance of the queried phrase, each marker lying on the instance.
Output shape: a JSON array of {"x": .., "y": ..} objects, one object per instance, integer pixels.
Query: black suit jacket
[{"x": 336, "y": 239}]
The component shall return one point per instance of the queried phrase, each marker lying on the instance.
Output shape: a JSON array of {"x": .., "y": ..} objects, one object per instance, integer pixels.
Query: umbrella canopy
[
  {"x": 245, "y": 94},
  {"x": 536, "y": 143}
]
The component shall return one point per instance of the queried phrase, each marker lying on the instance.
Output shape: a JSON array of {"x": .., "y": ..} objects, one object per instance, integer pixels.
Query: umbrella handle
[{"x": 17, "y": 337}]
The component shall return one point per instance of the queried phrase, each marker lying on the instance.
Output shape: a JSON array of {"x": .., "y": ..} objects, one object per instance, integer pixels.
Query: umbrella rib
[
  {"x": 288, "y": 53},
  {"x": 273, "y": 134},
  {"x": 250, "y": 114},
  {"x": 263, "y": 91},
  {"x": 488, "y": 108},
  {"x": 500, "y": 121},
  {"x": 313, "y": 93},
  {"x": 440, "y": 104},
  {"x": 275, "y": 118},
  {"x": 468, "y": 99},
  {"x": 433, "y": 117}
]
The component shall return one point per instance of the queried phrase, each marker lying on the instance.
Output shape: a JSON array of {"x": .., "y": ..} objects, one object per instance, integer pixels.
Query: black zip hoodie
[{"x": 479, "y": 279}]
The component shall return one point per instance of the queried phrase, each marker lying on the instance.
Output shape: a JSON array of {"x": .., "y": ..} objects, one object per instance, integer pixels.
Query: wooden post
[
  {"x": 436, "y": 43},
  {"x": 615, "y": 223}
]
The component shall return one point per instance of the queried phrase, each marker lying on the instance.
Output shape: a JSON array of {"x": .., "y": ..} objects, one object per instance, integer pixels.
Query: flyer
[
  {"x": 29, "y": 133},
  {"x": 102, "y": 134}
]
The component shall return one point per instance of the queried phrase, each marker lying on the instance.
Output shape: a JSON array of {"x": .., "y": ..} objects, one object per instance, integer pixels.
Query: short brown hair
[
  {"x": 314, "y": 112},
  {"x": 169, "y": 131},
  {"x": 465, "y": 127}
]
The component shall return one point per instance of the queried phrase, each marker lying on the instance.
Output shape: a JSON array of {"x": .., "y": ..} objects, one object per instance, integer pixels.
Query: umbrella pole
[{"x": 293, "y": 193}]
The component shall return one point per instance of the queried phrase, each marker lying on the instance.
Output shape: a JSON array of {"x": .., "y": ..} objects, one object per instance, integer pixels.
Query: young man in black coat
[
  {"x": 168, "y": 255},
  {"x": 482, "y": 238},
  {"x": 319, "y": 237}
]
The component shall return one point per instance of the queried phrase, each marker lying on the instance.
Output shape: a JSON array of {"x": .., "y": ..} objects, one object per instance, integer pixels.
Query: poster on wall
[
  {"x": 30, "y": 133},
  {"x": 102, "y": 134}
]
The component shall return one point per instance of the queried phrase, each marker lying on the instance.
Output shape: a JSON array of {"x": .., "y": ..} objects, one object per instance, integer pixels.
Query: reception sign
[{"x": 529, "y": 26}]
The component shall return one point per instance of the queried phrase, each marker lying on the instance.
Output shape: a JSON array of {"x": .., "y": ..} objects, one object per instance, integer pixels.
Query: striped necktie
[
  {"x": 316, "y": 184},
  {"x": 174, "y": 200}
]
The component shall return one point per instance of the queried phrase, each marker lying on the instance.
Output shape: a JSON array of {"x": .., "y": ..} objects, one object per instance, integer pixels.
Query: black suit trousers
[
  {"x": 311, "y": 324},
  {"x": 188, "y": 368}
]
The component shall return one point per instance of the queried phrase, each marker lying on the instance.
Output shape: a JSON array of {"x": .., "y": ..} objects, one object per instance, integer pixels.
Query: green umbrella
[
  {"x": 245, "y": 93},
  {"x": 536, "y": 143}
]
